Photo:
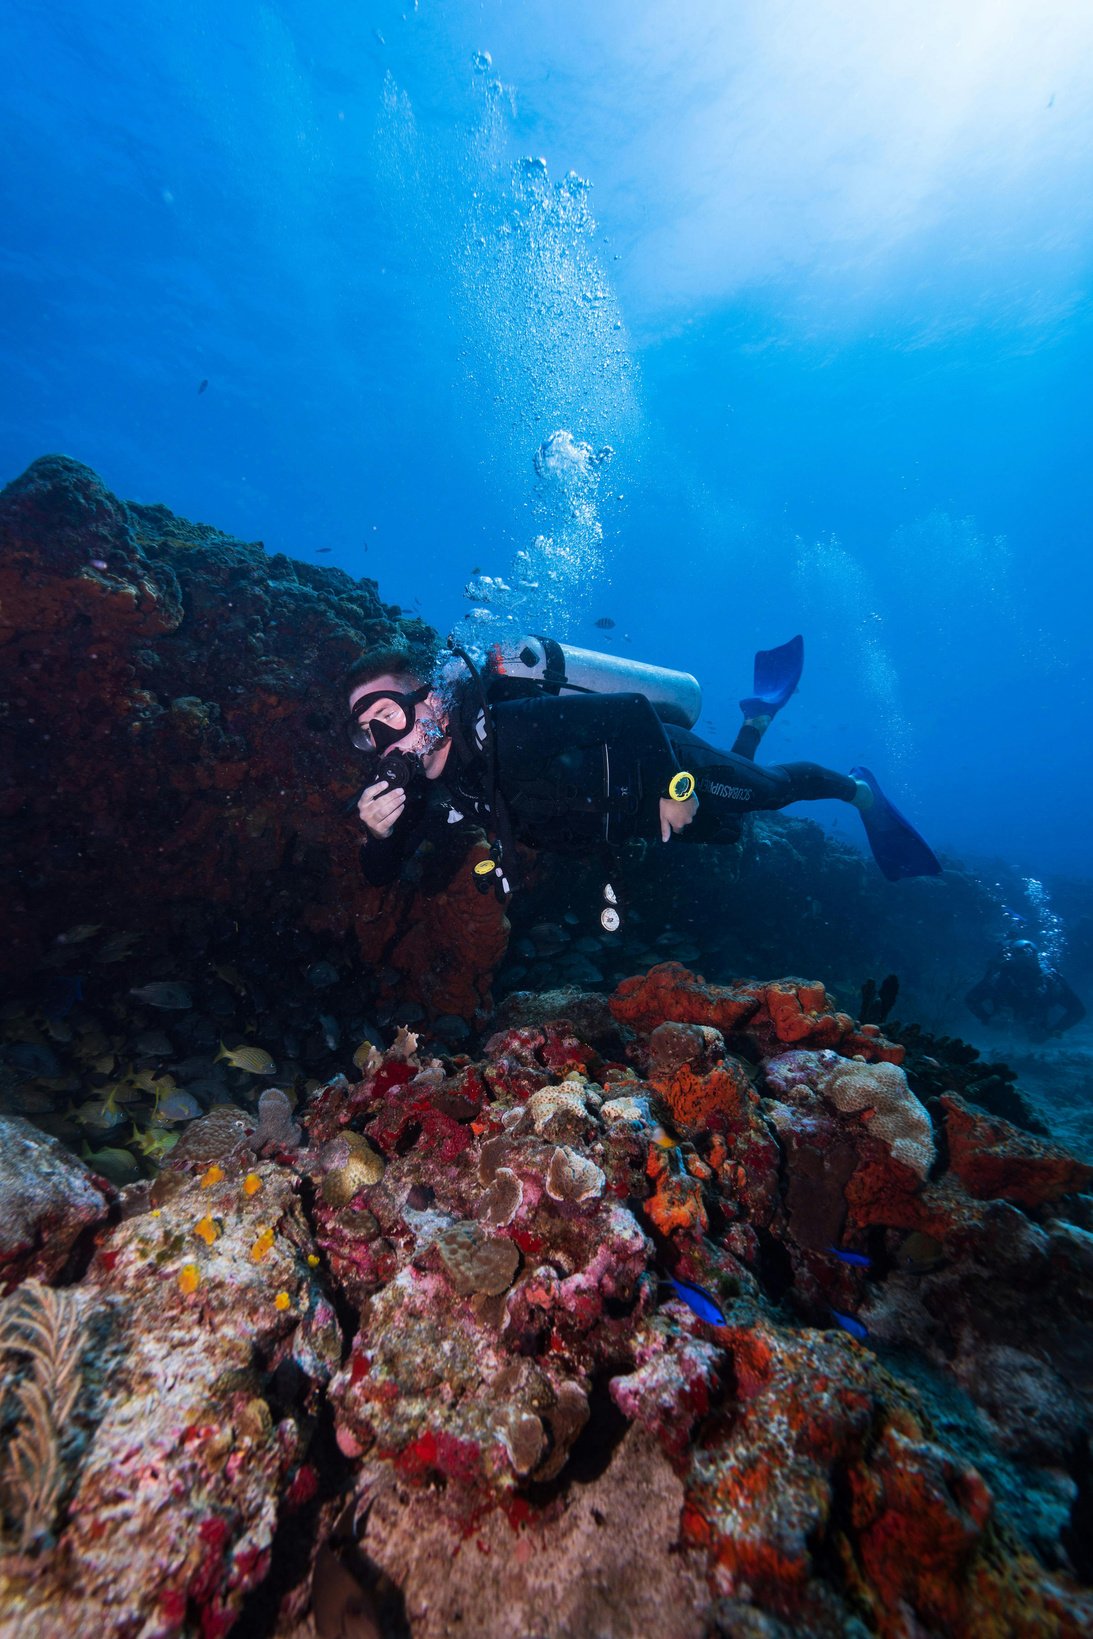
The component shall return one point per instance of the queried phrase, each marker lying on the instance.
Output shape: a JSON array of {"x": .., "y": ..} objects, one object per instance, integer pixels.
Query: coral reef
[
  {"x": 697, "y": 1308},
  {"x": 414, "y": 1349},
  {"x": 192, "y": 1308}
]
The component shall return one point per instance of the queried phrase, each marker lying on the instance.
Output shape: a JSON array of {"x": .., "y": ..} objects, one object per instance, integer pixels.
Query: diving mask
[{"x": 380, "y": 736}]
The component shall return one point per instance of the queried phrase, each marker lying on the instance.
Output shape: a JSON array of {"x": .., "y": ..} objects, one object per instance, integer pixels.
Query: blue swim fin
[
  {"x": 897, "y": 847},
  {"x": 777, "y": 674}
]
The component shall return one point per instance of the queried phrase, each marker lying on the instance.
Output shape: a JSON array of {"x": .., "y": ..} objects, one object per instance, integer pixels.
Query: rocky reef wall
[{"x": 172, "y": 735}]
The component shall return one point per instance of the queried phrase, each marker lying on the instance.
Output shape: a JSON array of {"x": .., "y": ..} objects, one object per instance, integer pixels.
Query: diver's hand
[
  {"x": 675, "y": 815},
  {"x": 380, "y": 808}
]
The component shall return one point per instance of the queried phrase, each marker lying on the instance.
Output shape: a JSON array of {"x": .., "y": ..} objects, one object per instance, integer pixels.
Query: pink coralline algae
[
  {"x": 878, "y": 1092},
  {"x": 175, "y": 1496},
  {"x": 441, "y": 1335}
]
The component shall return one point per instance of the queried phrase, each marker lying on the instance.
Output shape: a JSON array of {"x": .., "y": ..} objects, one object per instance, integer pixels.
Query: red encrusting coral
[
  {"x": 996, "y": 1161},
  {"x": 785, "y": 1013},
  {"x": 517, "y": 1250}
]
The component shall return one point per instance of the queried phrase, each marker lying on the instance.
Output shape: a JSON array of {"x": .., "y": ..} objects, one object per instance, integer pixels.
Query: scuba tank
[{"x": 676, "y": 697}]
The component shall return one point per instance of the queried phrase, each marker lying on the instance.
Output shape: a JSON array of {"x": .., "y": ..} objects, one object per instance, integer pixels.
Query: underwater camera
[{"x": 403, "y": 769}]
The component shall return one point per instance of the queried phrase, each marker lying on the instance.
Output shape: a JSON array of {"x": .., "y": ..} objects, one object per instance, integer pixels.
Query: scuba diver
[
  {"x": 564, "y": 749},
  {"x": 1022, "y": 983}
]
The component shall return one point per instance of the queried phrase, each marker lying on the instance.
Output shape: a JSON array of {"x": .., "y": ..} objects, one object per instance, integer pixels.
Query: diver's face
[
  {"x": 424, "y": 731},
  {"x": 386, "y": 708}
]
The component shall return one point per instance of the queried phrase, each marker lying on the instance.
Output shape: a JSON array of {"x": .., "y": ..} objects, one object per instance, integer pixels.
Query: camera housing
[{"x": 401, "y": 769}]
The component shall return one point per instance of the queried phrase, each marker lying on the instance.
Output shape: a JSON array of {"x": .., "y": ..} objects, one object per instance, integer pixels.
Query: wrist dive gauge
[{"x": 681, "y": 786}]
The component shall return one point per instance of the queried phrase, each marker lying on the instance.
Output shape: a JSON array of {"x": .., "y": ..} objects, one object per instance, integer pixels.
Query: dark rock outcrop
[
  {"x": 48, "y": 1200},
  {"x": 172, "y": 732}
]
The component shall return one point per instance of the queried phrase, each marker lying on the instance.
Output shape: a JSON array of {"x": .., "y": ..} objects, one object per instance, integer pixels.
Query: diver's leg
[
  {"x": 730, "y": 785},
  {"x": 777, "y": 674},
  {"x": 751, "y": 733},
  {"x": 810, "y": 782}
]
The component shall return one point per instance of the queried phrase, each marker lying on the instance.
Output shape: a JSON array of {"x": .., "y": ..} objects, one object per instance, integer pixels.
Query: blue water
[{"x": 817, "y": 274}]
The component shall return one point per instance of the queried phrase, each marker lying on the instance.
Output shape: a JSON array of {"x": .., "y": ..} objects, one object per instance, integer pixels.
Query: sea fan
[{"x": 43, "y": 1326}]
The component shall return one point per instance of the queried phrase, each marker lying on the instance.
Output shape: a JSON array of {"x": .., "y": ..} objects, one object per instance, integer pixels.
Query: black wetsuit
[
  {"x": 1032, "y": 992},
  {"x": 730, "y": 784},
  {"x": 577, "y": 773}
]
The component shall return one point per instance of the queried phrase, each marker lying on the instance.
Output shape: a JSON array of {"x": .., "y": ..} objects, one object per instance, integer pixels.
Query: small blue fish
[
  {"x": 62, "y": 994},
  {"x": 858, "y": 1259},
  {"x": 703, "y": 1303},
  {"x": 851, "y": 1324}
]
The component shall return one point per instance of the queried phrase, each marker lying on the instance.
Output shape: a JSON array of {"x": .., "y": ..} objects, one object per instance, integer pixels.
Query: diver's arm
[
  {"x": 1073, "y": 1008},
  {"x": 385, "y": 846},
  {"x": 674, "y": 816},
  {"x": 980, "y": 1000}
]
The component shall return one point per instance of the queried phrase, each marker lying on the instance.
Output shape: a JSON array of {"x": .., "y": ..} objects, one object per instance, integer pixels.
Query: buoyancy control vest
[
  {"x": 582, "y": 770},
  {"x": 577, "y": 772}
]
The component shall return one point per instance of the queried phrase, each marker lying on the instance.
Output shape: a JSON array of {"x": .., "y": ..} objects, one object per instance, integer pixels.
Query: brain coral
[
  {"x": 351, "y": 1164},
  {"x": 559, "y": 1112},
  {"x": 474, "y": 1261},
  {"x": 897, "y": 1116}
]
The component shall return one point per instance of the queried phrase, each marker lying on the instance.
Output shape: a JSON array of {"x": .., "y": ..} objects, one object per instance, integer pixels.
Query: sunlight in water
[{"x": 855, "y": 143}]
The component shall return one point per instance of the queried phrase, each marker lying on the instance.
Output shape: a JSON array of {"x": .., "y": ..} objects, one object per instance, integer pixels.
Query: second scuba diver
[
  {"x": 534, "y": 756},
  {"x": 1022, "y": 986}
]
